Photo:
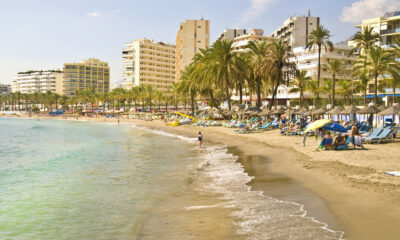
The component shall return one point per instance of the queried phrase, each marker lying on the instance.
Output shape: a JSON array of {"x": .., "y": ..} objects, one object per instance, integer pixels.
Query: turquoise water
[
  {"x": 74, "y": 180},
  {"x": 81, "y": 180}
]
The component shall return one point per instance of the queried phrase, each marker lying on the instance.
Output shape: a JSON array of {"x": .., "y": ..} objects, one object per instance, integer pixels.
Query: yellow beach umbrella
[{"x": 317, "y": 124}]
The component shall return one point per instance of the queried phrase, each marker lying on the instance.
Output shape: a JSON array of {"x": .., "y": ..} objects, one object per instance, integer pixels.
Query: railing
[{"x": 388, "y": 31}]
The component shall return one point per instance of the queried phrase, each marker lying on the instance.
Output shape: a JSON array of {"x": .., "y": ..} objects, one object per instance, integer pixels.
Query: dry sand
[{"x": 360, "y": 199}]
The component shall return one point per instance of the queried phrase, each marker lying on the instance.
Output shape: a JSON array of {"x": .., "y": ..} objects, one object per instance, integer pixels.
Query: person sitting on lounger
[
  {"x": 338, "y": 141},
  {"x": 326, "y": 142}
]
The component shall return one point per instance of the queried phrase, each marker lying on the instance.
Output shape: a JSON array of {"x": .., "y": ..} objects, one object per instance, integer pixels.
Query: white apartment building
[
  {"x": 39, "y": 81},
  {"x": 307, "y": 60},
  {"x": 295, "y": 30},
  {"x": 145, "y": 62},
  {"x": 231, "y": 34},
  {"x": 255, "y": 35},
  {"x": 5, "y": 89}
]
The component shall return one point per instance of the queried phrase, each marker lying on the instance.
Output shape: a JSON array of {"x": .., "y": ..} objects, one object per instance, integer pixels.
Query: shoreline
[{"x": 351, "y": 196}]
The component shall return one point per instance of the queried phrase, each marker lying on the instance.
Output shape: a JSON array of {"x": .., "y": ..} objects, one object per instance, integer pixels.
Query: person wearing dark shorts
[{"x": 199, "y": 140}]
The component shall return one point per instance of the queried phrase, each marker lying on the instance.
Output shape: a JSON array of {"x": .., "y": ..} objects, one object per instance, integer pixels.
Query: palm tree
[
  {"x": 376, "y": 62},
  {"x": 299, "y": 84},
  {"x": 159, "y": 95},
  {"x": 327, "y": 88},
  {"x": 319, "y": 38},
  {"x": 312, "y": 86},
  {"x": 187, "y": 86},
  {"x": 334, "y": 66},
  {"x": 364, "y": 40},
  {"x": 134, "y": 95},
  {"x": 362, "y": 85},
  {"x": 149, "y": 95},
  {"x": 223, "y": 66},
  {"x": 280, "y": 61},
  {"x": 345, "y": 89},
  {"x": 259, "y": 60}
]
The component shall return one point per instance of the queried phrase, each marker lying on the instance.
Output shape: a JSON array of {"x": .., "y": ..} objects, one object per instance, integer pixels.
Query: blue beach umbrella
[{"x": 335, "y": 127}]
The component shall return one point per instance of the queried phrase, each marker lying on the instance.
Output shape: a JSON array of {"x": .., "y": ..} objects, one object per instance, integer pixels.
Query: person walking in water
[{"x": 199, "y": 140}]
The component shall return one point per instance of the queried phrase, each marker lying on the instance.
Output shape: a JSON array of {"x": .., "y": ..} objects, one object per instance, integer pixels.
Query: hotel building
[
  {"x": 255, "y": 35},
  {"x": 387, "y": 26},
  {"x": 192, "y": 36},
  {"x": 231, "y": 34},
  {"x": 5, "y": 89},
  {"x": 88, "y": 74},
  {"x": 39, "y": 81},
  {"x": 145, "y": 62},
  {"x": 295, "y": 30},
  {"x": 307, "y": 60}
]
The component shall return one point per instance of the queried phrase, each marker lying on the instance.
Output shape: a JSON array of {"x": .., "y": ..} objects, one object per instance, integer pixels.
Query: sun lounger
[
  {"x": 384, "y": 134},
  {"x": 375, "y": 133},
  {"x": 265, "y": 126}
]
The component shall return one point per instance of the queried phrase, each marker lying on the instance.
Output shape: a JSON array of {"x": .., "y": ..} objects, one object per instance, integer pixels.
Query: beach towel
[
  {"x": 393, "y": 173},
  {"x": 357, "y": 140}
]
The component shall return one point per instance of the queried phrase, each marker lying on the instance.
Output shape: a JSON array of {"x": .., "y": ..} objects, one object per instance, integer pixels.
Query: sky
[{"x": 45, "y": 34}]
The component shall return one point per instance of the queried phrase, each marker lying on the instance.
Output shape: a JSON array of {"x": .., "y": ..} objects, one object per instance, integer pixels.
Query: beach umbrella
[
  {"x": 349, "y": 110},
  {"x": 279, "y": 111},
  {"x": 381, "y": 108},
  {"x": 308, "y": 113},
  {"x": 266, "y": 112},
  {"x": 317, "y": 124},
  {"x": 300, "y": 111},
  {"x": 369, "y": 110},
  {"x": 393, "y": 110},
  {"x": 335, "y": 127},
  {"x": 320, "y": 111},
  {"x": 335, "y": 111}
]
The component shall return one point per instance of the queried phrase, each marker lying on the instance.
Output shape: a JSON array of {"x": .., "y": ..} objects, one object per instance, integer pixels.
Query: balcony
[{"x": 389, "y": 31}]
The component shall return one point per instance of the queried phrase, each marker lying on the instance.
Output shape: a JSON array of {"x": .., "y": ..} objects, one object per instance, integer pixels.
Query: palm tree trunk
[
  {"x": 276, "y": 87},
  {"x": 212, "y": 98},
  {"x": 333, "y": 90},
  {"x": 394, "y": 96},
  {"x": 240, "y": 93},
  {"x": 227, "y": 93},
  {"x": 365, "y": 97},
  {"x": 258, "y": 93},
  {"x": 301, "y": 97},
  {"x": 376, "y": 90},
  {"x": 192, "y": 104},
  {"x": 319, "y": 65}
]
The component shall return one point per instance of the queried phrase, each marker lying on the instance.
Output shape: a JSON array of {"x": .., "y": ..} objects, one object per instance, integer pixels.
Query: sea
[{"x": 63, "y": 179}]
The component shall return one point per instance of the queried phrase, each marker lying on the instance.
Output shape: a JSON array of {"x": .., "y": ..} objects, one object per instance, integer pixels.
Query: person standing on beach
[{"x": 199, "y": 140}]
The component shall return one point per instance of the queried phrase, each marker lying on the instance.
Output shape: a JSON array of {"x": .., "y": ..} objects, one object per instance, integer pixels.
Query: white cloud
[
  {"x": 94, "y": 14},
  {"x": 364, "y": 9},
  {"x": 257, "y": 7}
]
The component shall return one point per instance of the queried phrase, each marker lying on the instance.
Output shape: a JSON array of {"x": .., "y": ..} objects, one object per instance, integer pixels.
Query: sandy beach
[{"x": 348, "y": 190}]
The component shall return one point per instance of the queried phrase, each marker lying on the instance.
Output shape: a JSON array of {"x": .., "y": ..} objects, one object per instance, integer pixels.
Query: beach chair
[
  {"x": 375, "y": 133},
  {"x": 344, "y": 147},
  {"x": 384, "y": 134}
]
